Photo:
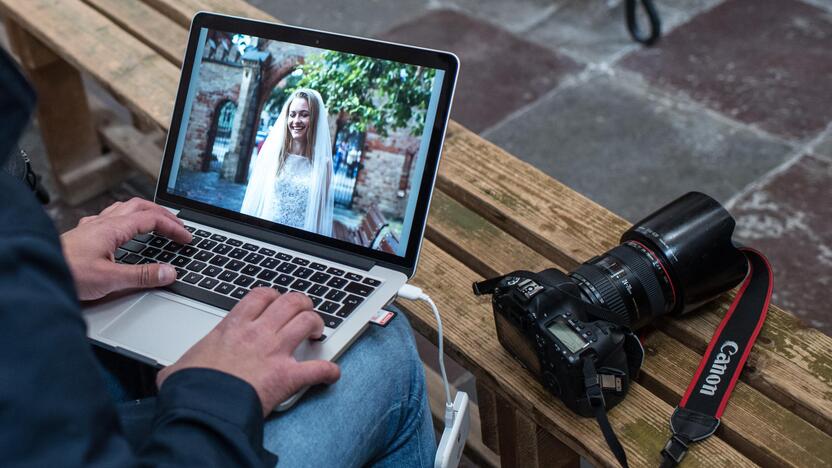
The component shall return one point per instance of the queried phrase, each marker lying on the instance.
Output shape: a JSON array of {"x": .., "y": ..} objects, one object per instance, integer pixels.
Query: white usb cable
[{"x": 455, "y": 434}]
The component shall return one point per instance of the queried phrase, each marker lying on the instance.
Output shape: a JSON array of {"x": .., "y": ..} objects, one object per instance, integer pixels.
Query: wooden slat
[
  {"x": 181, "y": 11},
  {"x": 640, "y": 421},
  {"x": 148, "y": 25},
  {"x": 135, "y": 146},
  {"x": 488, "y": 416},
  {"x": 133, "y": 72},
  {"x": 764, "y": 430},
  {"x": 793, "y": 362},
  {"x": 524, "y": 443}
]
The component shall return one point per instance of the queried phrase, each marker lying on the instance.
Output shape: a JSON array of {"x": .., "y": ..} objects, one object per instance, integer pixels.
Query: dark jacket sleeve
[{"x": 54, "y": 407}]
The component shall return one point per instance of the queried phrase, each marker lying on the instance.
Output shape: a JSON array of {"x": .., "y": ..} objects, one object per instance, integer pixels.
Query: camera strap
[
  {"x": 595, "y": 396},
  {"x": 697, "y": 416}
]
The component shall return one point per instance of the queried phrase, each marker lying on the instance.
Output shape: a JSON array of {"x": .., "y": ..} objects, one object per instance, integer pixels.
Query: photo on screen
[{"x": 324, "y": 141}]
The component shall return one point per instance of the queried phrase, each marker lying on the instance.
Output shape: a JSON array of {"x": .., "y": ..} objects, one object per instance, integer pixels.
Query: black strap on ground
[
  {"x": 697, "y": 415},
  {"x": 653, "y": 19}
]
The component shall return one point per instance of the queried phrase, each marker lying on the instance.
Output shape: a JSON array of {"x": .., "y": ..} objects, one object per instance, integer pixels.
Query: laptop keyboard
[{"x": 220, "y": 270}]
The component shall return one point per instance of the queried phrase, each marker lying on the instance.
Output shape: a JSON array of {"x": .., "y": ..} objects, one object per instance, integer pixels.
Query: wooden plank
[
  {"x": 488, "y": 416},
  {"x": 148, "y": 25},
  {"x": 136, "y": 147},
  {"x": 793, "y": 363},
  {"x": 181, "y": 11},
  {"x": 133, "y": 72},
  {"x": 641, "y": 421},
  {"x": 524, "y": 443},
  {"x": 763, "y": 430}
]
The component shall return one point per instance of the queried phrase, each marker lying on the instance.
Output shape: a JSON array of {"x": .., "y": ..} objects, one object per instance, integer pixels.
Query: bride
[{"x": 290, "y": 183}]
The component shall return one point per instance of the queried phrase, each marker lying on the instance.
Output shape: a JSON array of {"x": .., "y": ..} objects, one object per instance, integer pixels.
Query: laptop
[{"x": 300, "y": 160}]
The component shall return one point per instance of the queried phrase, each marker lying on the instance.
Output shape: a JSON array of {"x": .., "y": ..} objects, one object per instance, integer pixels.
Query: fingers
[
  {"x": 316, "y": 372},
  {"x": 252, "y": 305},
  {"x": 150, "y": 220},
  {"x": 283, "y": 310},
  {"x": 138, "y": 206},
  {"x": 150, "y": 275},
  {"x": 302, "y": 327}
]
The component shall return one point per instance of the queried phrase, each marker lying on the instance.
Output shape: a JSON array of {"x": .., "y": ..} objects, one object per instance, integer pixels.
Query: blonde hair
[{"x": 311, "y": 129}]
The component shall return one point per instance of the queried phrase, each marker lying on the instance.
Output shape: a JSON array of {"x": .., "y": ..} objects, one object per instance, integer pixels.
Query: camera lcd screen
[{"x": 566, "y": 335}]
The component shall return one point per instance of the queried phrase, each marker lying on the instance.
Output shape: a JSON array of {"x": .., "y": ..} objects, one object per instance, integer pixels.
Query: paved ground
[{"x": 733, "y": 101}]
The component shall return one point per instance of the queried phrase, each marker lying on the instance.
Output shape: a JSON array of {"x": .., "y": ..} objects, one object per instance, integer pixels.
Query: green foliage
[{"x": 372, "y": 92}]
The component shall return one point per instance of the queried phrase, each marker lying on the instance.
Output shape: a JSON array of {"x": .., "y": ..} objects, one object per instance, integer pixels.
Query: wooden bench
[{"x": 780, "y": 413}]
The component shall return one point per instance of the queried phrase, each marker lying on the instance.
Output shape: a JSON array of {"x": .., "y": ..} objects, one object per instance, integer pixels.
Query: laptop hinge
[{"x": 283, "y": 240}]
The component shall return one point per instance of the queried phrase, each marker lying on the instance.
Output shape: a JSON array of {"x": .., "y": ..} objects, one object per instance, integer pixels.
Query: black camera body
[{"x": 554, "y": 342}]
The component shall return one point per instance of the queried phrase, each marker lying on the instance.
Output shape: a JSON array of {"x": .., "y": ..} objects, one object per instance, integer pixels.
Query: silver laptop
[{"x": 299, "y": 160}]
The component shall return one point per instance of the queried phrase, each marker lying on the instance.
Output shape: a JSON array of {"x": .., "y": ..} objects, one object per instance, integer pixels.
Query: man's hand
[
  {"x": 255, "y": 343},
  {"x": 89, "y": 248}
]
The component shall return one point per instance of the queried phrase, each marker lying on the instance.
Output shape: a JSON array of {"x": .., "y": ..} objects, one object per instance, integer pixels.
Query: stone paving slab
[
  {"x": 500, "y": 72},
  {"x": 633, "y": 153},
  {"x": 789, "y": 218},
  {"x": 764, "y": 62}
]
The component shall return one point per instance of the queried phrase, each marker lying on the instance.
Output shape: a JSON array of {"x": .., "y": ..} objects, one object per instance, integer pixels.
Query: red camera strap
[{"x": 697, "y": 415}]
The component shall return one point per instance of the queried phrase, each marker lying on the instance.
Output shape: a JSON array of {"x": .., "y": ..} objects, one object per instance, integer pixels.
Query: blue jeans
[{"x": 376, "y": 414}]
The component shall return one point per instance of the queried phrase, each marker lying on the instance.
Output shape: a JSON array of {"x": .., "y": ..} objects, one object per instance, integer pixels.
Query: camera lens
[{"x": 672, "y": 261}]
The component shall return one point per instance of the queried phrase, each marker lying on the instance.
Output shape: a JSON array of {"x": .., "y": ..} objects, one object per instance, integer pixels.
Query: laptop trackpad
[{"x": 160, "y": 328}]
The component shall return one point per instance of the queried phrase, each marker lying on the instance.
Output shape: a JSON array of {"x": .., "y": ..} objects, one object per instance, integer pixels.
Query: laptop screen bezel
[{"x": 324, "y": 40}]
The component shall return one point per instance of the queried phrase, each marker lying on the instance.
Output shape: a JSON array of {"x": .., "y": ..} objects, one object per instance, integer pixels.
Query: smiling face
[{"x": 298, "y": 118}]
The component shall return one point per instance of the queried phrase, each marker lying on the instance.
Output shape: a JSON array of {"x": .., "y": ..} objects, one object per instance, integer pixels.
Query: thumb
[
  {"x": 316, "y": 372},
  {"x": 149, "y": 275}
]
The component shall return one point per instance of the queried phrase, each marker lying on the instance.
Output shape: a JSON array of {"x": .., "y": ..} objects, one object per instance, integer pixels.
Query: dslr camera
[{"x": 574, "y": 330}]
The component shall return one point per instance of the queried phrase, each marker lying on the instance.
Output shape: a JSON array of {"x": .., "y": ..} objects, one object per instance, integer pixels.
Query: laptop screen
[{"x": 312, "y": 139}]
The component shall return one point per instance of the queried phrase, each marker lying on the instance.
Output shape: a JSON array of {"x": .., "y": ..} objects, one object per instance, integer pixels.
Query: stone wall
[
  {"x": 218, "y": 82},
  {"x": 378, "y": 181}
]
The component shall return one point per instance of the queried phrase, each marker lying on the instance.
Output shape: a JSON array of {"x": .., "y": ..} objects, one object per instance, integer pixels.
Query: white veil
[{"x": 260, "y": 190}]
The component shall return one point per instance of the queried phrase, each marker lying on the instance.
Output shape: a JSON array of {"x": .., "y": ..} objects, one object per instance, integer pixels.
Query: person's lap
[{"x": 377, "y": 412}]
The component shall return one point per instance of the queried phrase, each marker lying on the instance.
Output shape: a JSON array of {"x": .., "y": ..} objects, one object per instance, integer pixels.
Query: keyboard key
[
  {"x": 188, "y": 251},
  {"x": 207, "y": 244},
  {"x": 329, "y": 307},
  {"x": 180, "y": 261},
  {"x": 337, "y": 283},
  {"x": 335, "y": 295},
  {"x": 243, "y": 280},
  {"x": 227, "y": 276},
  {"x": 202, "y": 233},
  {"x": 266, "y": 252},
  {"x": 143, "y": 238},
  {"x": 239, "y": 254},
  {"x": 281, "y": 289},
  {"x": 208, "y": 283},
  {"x": 165, "y": 257},
  {"x": 335, "y": 271},
  {"x": 235, "y": 265},
  {"x": 267, "y": 275},
  {"x": 180, "y": 272},
  {"x": 203, "y": 256},
  {"x": 300, "y": 285},
  {"x": 318, "y": 290},
  {"x": 261, "y": 284},
  {"x": 192, "y": 278},
  {"x": 150, "y": 252},
  {"x": 158, "y": 242},
  {"x": 317, "y": 266},
  {"x": 174, "y": 247},
  {"x": 284, "y": 256},
  {"x": 345, "y": 312},
  {"x": 351, "y": 302},
  {"x": 322, "y": 338},
  {"x": 234, "y": 242},
  {"x": 239, "y": 293},
  {"x": 372, "y": 282},
  {"x": 330, "y": 321},
  {"x": 250, "y": 270},
  {"x": 195, "y": 240},
  {"x": 203, "y": 295},
  {"x": 360, "y": 289},
  {"x": 270, "y": 263},
  {"x": 144, "y": 261},
  {"x": 133, "y": 246},
  {"x": 190, "y": 229},
  {"x": 251, "y": 247},
  {"x": 303, "y": 272},
  {"x": 224, "y": 288},
  {"x": 219, "y": 260},
  {"x": 354, "y": 277},
  {"x": 218, "y": 238},
  {"x": 132, "y": 259},
  {"x": 316, "y": 301},
  {"x": 222, "y": 249},
  {"x": 300, "y": 261},
  {"x": 212, "y": 271},
  {"x": 320, "y": 278},
  {"x": 286, "y": 267},
  {"x": 196, "y": 265},
  {"x": 254, "y": 258},
  {"x": 284, "y": 280},
  {"x": 119, "y": 254}
]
